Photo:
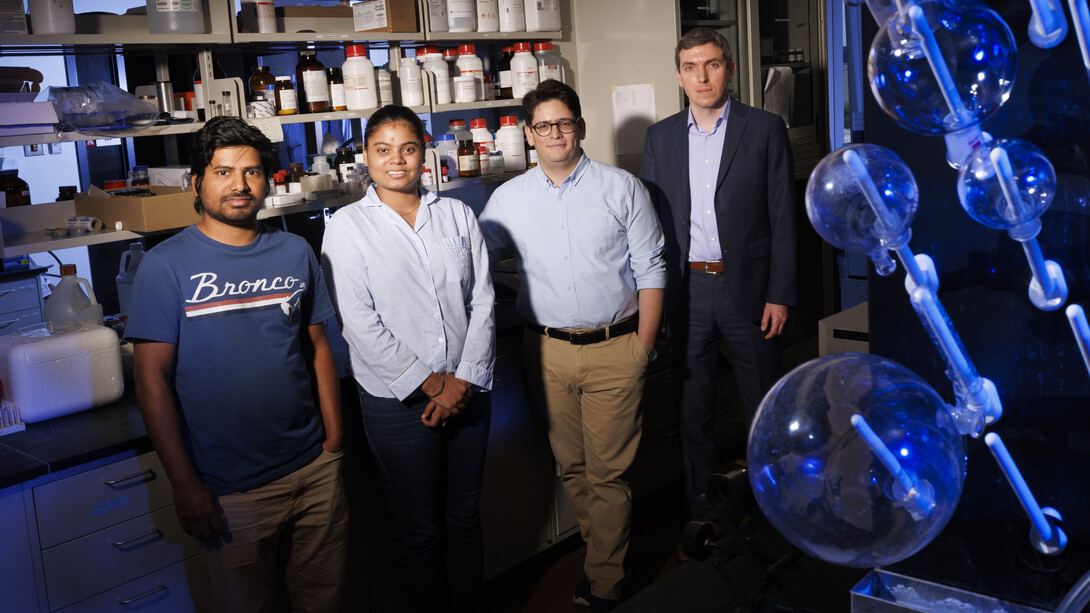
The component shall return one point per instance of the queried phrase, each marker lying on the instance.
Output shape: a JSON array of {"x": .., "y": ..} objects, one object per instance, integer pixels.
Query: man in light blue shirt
[{"x": 588, "y": 249}]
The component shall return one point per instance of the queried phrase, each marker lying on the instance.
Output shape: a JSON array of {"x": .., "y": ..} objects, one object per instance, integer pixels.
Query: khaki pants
[
  {"x": 590, "y": 396},
  {"x": 306, "y": 513}
]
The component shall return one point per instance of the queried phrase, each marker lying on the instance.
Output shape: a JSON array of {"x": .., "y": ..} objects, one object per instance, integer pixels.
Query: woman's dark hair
[
  {"x": 393, "y": 113},
  {"x": 551, "y": 89},
  {"x": 227, "y": 131}
]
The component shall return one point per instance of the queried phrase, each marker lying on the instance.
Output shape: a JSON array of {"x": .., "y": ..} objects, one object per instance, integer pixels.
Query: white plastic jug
[
  {"x": 130, "y": 261},
  {"x": 69, "y": 302}
]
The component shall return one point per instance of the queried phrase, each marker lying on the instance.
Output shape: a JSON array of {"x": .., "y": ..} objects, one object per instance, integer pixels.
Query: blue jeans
[{"x": 432, "y": 478}]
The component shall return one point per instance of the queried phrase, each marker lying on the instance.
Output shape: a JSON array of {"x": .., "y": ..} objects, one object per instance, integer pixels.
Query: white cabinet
[
  {"x": 20, "y": 304},
  {"x": 16, "y": 563}
]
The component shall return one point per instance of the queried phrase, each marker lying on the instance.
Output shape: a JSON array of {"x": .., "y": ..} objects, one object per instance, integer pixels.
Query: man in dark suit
[{"x": 721, "y": 177}]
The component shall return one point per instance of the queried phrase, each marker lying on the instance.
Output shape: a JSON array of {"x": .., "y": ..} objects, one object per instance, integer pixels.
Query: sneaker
[{"x": 581, "y": 596}]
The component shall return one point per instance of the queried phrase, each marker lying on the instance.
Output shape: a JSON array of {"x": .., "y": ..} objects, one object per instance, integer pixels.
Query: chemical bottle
[
  {"x": 457, "y": 129},
  {"x": 313, "y": 90},
  {"x": 469, "y": 65},
  {"x": 385, "y": 86},
  {"x": 469, "y": 160},
  {"x": 198, "y": 90},
  {"x": 336, "y": 89},
  {"x": 437, "y": 16},
  {"x": 543, "y": 16},
  {"x": 531, "y": 155},
  {"x": 360, "y": 91},
  {"x": 433, "y": 63},
  {"x": 523, "y": 71},
  {"x": 286, "y": 101},
  {"x": 52, "y": 17},
  {"x": 461, "y": 15},
  {"x": 259, "y": 16},
  {"x": 512, "y": 16},
  {"x": 261, "y": 80},
  {"x": 319, "y": 165},
  {"x": 483, "y": 154},
  {"x": 488, "y": 16},
  {"x": 69, "y": 302},
  {"x": 505, "y": 72},
  {"x": 15, "y": 191},
  {"x": 512, "y": 142},
  {"x": 130, "y": 261},
  {"x": 175, "y": 17},
  {"x": 548, "y": 63},
  {"x": 412, "y": 93},
  {"x": 450, "y": 56},
  {"x": 447, "y": 148},
  {"x": 344, "y": 158},
  {"x": 481, "y": 134}
]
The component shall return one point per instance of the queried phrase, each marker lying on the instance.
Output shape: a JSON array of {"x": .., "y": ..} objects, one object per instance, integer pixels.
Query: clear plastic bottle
[
  {"x": 385, "y": 85},
  {"x": 360, "y": 89},
  {"x": 72, "y": 300},
  {"x": 469, "y": 65},
  {"x": 523, "y": 71},
  {"x": 433, "y": 63},
  {"x": 548, "y": 62},
  {"x": 412, "y": 93},
  {"x": 512, "y": 16},
  {"x": 512, "y": 142},
  {"x": 505, "y": 72},
  {"x": 313, "y": 87},
  {"x": 481, "y": 134},
  {"x": 488, "y": 16},
  {"x": 461, "y": 15}
]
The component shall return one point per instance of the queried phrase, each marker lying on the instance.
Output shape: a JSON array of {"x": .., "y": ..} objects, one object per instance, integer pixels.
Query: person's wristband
[{"x": 442, "y": 384}]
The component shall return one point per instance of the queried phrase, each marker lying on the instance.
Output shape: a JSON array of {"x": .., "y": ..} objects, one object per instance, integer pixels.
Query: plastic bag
[{"x": 99, "y": 107}]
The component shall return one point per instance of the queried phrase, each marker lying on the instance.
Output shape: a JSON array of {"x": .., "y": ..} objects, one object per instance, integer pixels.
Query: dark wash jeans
[{"x": 432, "y": 478}]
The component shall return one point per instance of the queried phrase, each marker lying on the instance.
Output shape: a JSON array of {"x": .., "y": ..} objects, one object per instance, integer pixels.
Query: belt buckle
[{"x": 714, "y": 272}]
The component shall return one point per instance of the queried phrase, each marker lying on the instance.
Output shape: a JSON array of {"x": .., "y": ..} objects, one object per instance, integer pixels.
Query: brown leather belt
[
  {"x": 591, "y": 336},
  {"x": 715, "y": 267}
]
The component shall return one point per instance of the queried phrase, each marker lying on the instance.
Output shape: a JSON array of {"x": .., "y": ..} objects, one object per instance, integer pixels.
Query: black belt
[{"x": 589, "y": 337}]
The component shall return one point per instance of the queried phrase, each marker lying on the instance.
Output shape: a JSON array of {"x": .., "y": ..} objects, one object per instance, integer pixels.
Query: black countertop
[{"x": 64, "y": 442}]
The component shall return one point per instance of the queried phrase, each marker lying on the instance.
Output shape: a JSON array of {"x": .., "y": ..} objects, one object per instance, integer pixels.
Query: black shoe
[
  {"x": 603, "y": 605},
  {"x": 581, "y": 596}
]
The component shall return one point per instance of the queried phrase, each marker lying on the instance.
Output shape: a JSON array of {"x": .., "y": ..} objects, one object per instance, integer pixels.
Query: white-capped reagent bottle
[
  {"x": 72, "y": 300},
  {"x": 358, "y": 74},
  {"x": 512, "y": 142},
  {"x": 488, "y": 16},
  {"x": 524, "y": 77},
  {"x": 469, "y": 65},
  {"x": 548, "y": 62},
  {"x": 512, "y": 16},
  {"x": 412, "y": 93},
  {"x": 481, "y": 134}
]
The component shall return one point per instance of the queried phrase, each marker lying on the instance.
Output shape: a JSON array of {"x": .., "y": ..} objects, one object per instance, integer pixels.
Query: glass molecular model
[{"x": 853, "y": 458}]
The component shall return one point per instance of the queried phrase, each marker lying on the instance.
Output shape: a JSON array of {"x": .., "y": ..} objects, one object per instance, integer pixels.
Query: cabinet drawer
[
  {"x": 179, "y": 588},
  {"x": 10, "y": 323},
  {"x": 81, "y": 504},
  {"x": 18, "y": 295},
  {"x": 84, "y": 567}
]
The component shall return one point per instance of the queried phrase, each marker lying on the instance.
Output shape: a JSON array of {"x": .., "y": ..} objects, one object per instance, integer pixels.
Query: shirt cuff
[
  {"x": 410, "y": 380},
  {"x": 476, "y": 375}
]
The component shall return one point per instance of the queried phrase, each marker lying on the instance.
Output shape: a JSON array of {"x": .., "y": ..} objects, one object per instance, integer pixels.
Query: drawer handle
[
  {"x": 147, "y": 472},
  {"x": 4, "y": 324},
  {"x": 123, "y": 542},
  {"x": 6, "y": 292},
  {"x": 153, "y": 590}
]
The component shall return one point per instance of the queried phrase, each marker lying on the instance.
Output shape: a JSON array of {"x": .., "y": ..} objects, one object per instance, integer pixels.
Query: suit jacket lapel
[{"x": 736, "y": 126}]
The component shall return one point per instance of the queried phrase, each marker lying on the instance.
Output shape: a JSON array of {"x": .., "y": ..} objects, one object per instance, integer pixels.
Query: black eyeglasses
[{"x": 545, "y": 128}]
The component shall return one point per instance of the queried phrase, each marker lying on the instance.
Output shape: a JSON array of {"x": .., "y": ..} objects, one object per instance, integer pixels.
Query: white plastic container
[
  {"x": 469, "y": 65},
  {"x": 175, "y": 17},
  {"x": 548, "y": 62},
  {"x": 385, "y": 84},
  {"x": 72, "y": 300},
  {"x": 358, "y": 74},
  {"x": 52, "y": 17},
  {"x": 412, "y": 93},
  {"x": 461, "y": 15},
  {"x": 433, "y": 63},
  {"x": 465, "y": 89},
  {"x": 55, "y": 369},
  {"x": 447, "y": 148},
  {"x": 512, "y": 142},
  {"x": 524, "y": 77},
  {"x": 259, "y": 16},
  {"x": 488, "y": 16},
  {"x": 481, "y": 135},
  {"x": 437, "y": 15},
  {"x": 130, "y": 261},
  {"x": 512, "y": 16},
  {"x": 542, "y": 15}
]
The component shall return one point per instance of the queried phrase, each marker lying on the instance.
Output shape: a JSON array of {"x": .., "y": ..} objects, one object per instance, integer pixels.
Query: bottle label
[
  {"x": 178, "y": 6},
  {"x": 336, "y": 96},
  {"x": 469, "y": 162},
  {"x": 314, "y": 86},
  {"x": 524, "y": 82},
  {"x": 549, "y": 71},
  {"x": 505, "y": 78},
  {"x": 288, "y": 100}
]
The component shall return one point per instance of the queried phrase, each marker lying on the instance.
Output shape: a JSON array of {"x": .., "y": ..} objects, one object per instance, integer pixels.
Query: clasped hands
[{"x": 448, "y": 396}]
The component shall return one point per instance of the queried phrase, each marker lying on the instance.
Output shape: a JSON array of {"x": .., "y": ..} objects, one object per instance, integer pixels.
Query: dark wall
[{"x": 1031, "y": 355}]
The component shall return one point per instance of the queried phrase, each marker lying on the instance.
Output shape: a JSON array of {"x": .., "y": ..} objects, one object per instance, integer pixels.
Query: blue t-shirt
[{"x": 241, "y": 381}]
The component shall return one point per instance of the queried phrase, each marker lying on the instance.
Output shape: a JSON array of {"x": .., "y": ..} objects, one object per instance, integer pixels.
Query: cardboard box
[
  {"x": 169, "y": 208},
  {"x": 313, "y": 12},
  {"x": 384, "y": 16}
]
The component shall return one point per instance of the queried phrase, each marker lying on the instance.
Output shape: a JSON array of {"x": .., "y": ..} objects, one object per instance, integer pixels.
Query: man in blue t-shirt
[{"x": 228, "y": 317}]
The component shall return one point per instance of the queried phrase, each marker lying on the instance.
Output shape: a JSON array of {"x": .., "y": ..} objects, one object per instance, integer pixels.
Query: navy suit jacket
[{"x": 754, "y": 205}]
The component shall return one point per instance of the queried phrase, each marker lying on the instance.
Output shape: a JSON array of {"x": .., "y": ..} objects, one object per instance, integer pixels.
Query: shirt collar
[
  {"x": 573, "y": 178},
  {"x": 371, "y": 198},
  {"x": 718, "y": 122}
]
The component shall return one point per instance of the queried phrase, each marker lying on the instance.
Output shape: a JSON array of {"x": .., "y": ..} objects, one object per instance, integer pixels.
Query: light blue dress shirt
[
  {"x": 582, "y": 249},
  {"x": 411, "y": 301},
  {"x": 705, "y": 154}
]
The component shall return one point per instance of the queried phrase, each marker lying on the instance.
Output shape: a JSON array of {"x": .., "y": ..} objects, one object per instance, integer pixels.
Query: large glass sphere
[
  {"x": 838, "y": 208},
  {"x": 977, "y": 48},
  {"x": 981, "y": 193},
  {"x": 824, "y": 489}
]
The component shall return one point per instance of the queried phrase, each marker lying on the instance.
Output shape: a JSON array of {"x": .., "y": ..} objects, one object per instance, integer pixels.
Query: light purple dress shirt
[{"x": 705, "y": 153}]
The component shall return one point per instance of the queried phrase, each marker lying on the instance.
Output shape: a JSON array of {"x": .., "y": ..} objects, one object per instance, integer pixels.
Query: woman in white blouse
[{"x": 408, "y": 273}]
